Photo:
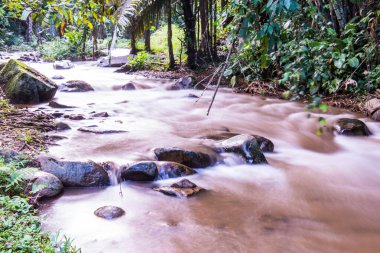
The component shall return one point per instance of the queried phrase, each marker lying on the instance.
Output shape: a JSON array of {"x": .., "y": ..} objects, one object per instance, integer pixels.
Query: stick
[{"x": 221, "y": 75}]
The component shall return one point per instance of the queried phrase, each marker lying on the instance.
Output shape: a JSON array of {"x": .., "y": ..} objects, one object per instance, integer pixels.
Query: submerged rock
[
  {"x": 43, "y": 185},
  {"x": 109, "y": 212},
  {"x": 76, "y": 117},
  {"x": 373, "y": 109},
  {"x": 95, "y": 130},
  {"x": 101, "y": 114},
  {"x": 142, "y": 171},
  {"x": 150, "y": 171},
  {"x": 60, "y": 126},
  {"x": 25, "y": 85},
  {"x": 77, "y": 86},
  {"x": 190, "y": 158},
  {"x": 64, "y": 64},
  {"x": 129, "y": 86},
  {"x": 75, "y": 173},
  {"x": 351, "y": 127},
  {"x": 245, "y": 145},
  {"x": 58, "y": 77},
  {"x": 182, "y": 189},
  {"x": 54, "y": 104},
  {"x": 172, "y": 170}
]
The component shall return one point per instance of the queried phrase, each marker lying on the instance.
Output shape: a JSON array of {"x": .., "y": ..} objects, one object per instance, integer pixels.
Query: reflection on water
[{"x": 319, "y": 194}]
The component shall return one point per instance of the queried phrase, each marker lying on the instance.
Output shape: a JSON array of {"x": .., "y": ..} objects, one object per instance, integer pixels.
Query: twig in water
[
  {"x": 209, "y": 81},
  {"x": 221, "y": 75}
]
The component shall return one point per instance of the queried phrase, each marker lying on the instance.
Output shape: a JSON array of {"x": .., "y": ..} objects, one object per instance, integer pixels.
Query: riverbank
[{"x": 352, "y": 102}]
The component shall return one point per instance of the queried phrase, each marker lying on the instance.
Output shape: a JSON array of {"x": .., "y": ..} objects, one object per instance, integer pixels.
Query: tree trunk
[
  {"x": 170, "y": 44},
  {"x": 85, "y": 30},
  {"x": 38, "y": 33},
  {"x": 203, "y": 4},
  {"x": 29, "y": 29},
  {"x": 133, "y": 44},
  {"x": 147, "y": 40},
  {"x": 189, "y": 20}
]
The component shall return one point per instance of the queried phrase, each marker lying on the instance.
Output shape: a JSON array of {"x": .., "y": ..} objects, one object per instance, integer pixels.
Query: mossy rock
[{"x": 25, "y": 85}]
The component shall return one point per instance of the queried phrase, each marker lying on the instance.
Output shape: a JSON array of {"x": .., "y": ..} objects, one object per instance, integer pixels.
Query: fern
[{"x": 12, "y": 177}]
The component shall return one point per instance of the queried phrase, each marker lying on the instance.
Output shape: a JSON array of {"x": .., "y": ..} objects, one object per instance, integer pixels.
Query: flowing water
[{"x": 318, "y": 193}]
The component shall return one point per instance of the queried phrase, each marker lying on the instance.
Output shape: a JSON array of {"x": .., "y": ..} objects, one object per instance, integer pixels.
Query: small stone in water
[{"x": 109, "y": 212}]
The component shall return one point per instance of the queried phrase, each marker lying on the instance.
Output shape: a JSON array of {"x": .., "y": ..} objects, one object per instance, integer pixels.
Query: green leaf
[
  {"x": 233, "y": 81},
  {"x": 323, "y": 107},
  {"x": 353, "y": 62}
]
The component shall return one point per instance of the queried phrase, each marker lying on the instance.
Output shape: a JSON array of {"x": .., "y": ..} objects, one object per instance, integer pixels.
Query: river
[{"x": 318, "y": 193}]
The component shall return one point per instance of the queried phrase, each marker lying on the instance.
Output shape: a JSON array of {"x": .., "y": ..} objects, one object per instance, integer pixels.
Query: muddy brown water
[{"x": 318, "y": 193}]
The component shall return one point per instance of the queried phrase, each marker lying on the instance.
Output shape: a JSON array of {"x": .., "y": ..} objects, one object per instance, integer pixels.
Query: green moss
[{"x": 23, "y": 84}]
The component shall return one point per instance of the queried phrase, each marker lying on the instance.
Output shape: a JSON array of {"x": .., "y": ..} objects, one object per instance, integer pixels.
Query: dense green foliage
[
  {"x": 293, "y": 41},
  {"x": 20, "y": 229}
]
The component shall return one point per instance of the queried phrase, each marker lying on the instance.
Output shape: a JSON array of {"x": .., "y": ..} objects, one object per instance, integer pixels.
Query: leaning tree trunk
[
  {"x": 147, "y": 40},
  {"x": 189, "y": 20},
  {"x": 170, "y": 44},
  {"x": 29, "y": 29}
]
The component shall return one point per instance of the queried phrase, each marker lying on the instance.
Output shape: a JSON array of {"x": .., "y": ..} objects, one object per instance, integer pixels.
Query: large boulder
[
  {"x": 25, "y": 85},
  {"x": 109, "y": 212},
  {"x": 43, "y": 185},
  {"x": 75, "y": 173},
  {"x": 351, "y": 127},
  {"x": 77, "y": 86},
  {"x": 188, "y": 157},
  {"x": 149, "y": 171},
  {"x": 182, "y": 189},
  {"x": 245, "y": 145},
  {"x": 373, "y": 108}
]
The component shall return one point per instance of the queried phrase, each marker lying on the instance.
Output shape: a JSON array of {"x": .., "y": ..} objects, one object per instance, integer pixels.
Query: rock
[
  {"x": 182, "y": 189},
  {"x": 2, "y": 65},
  {"x": 109, "y": 212},
  {"x": 77, "y": 86},
  {"x": 142, "y": 171},
  {"x": 76, "y": 117},
  {"x": 25, "y": 85},
  {"x": 128, "y": 86},
  {"x": 79, "y": 174},
  {"x": 8, "y": 155},
  {"x": 186, "y": 82},
  {"x": 265, "y": 144},
  {"x": 42, "y": 185},
  {"x": 57, "y": 105},
  {"x": 60, "y": 126},
  {"x": 351, "y": 127},
  {"x": 57, "y": 77},
  {"x": 172, "y": 170},
  {"x": 115, "y": 61},
  {"x": 190, "y": 158},
  {"x": 192, "y": 96},
  {"x": 100, "y": 131},
  {"x": 245, "y": 145},
  {"x": 149, "y": 171},
  {"x": 64, "y": 64},
  {"x": 57, "y": 114},
  {"x": 373, "y": 109},
  {"x": 100, "y": 114}
]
